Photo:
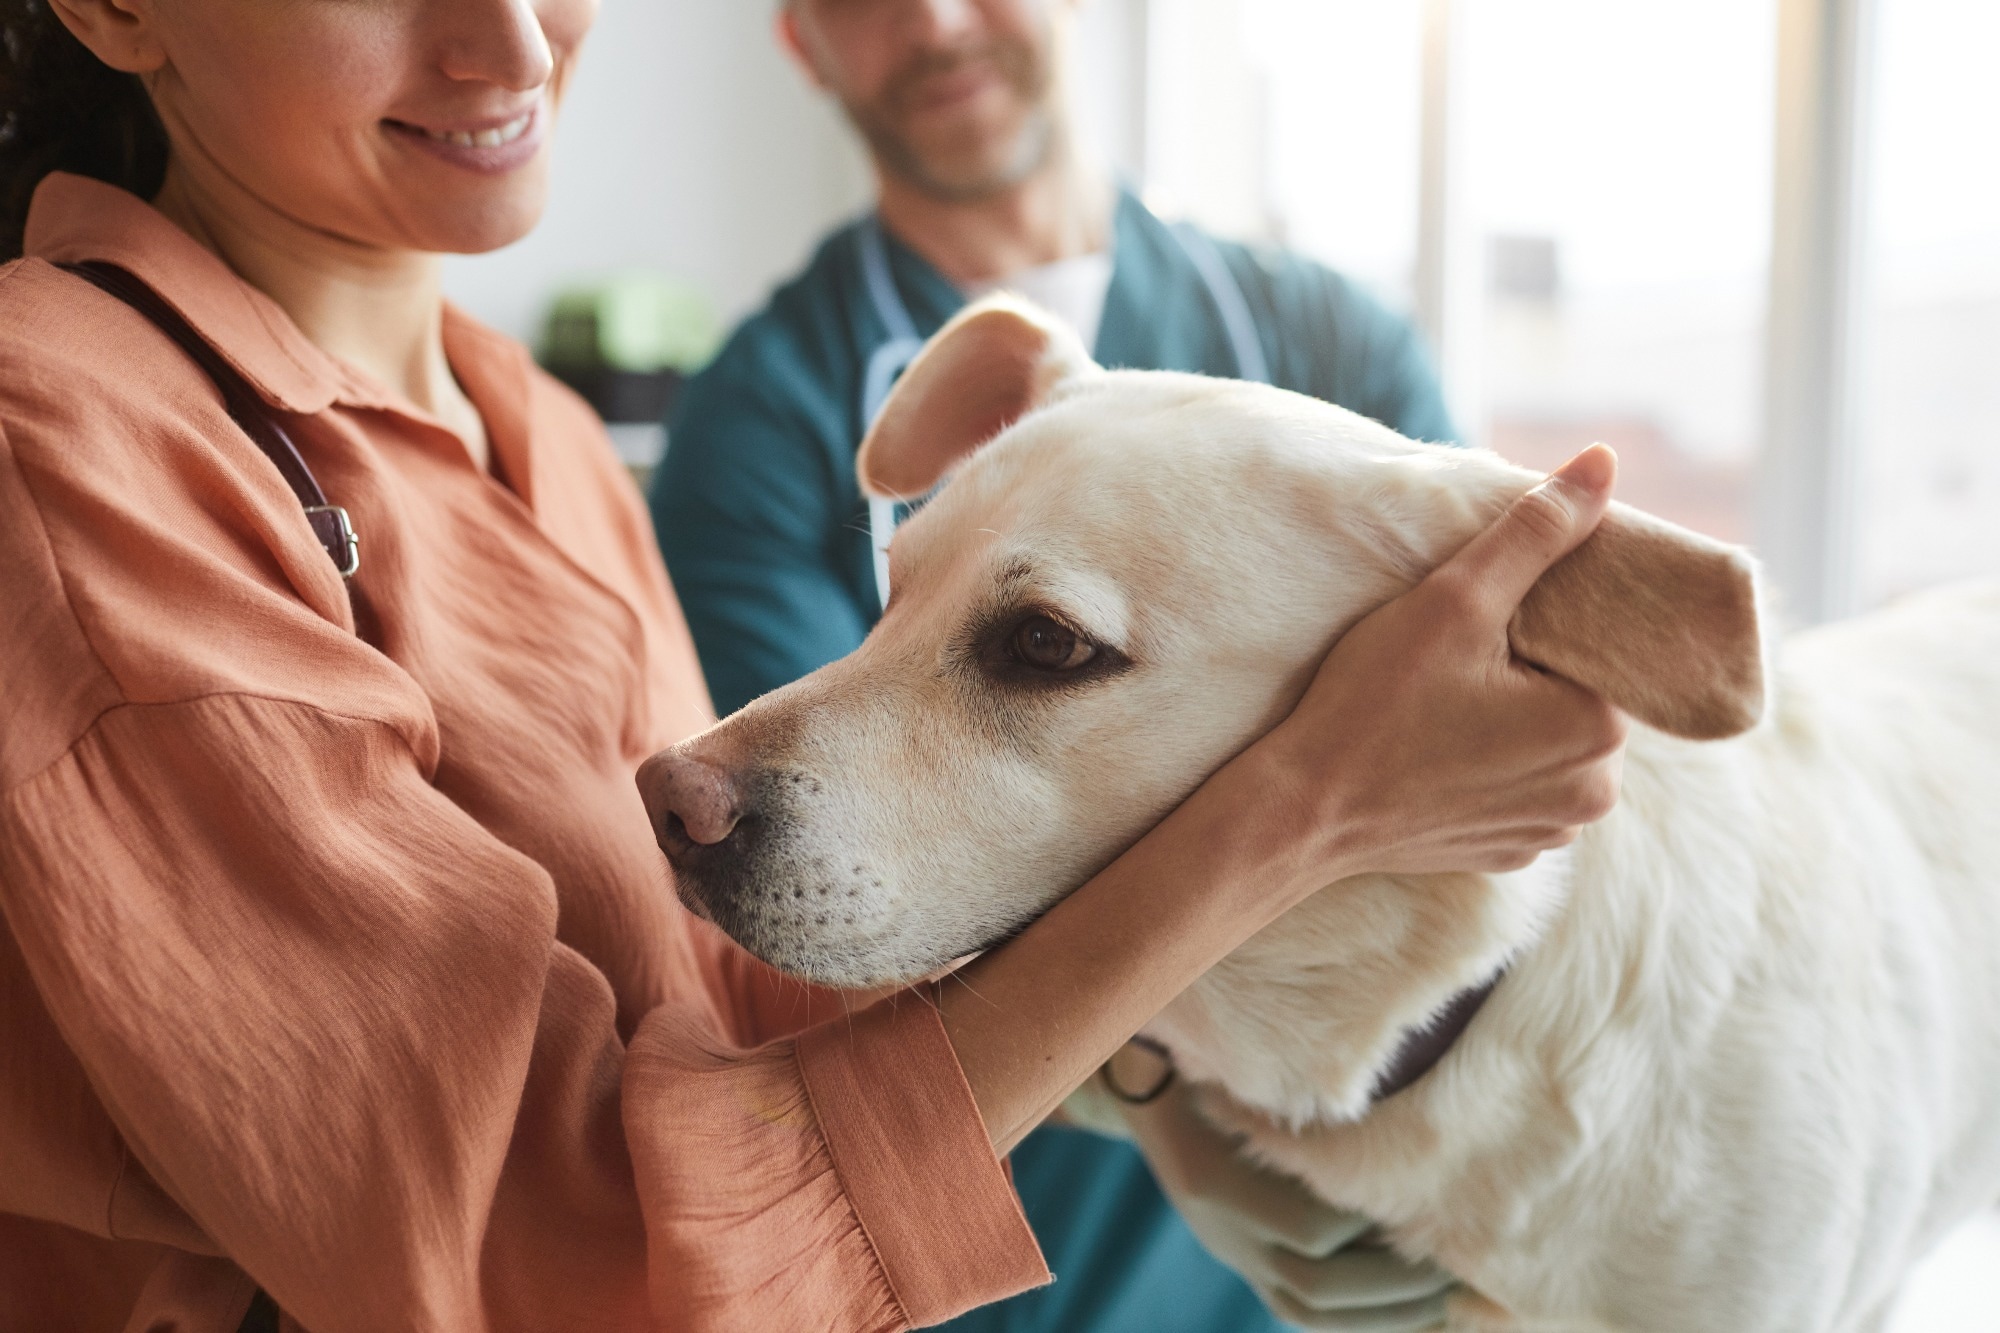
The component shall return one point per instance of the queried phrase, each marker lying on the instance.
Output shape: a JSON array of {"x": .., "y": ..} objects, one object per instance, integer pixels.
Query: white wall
[
  {"x": 689, "y": 145},
  {"x": 1108, "y": 79},
  {"x": 1206, "y": 140}
]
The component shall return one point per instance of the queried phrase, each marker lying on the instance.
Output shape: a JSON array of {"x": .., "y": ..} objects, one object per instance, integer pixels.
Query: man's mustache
[{"x": 1011, "y": 60}]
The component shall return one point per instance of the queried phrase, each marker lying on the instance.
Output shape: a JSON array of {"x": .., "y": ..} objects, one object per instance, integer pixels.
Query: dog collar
[
  {"x": 1421, "y": 1050},
  {"x": 1423, "y": 1047}
]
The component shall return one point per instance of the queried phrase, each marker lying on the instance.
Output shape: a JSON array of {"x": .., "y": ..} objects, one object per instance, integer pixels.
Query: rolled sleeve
[{"x": 842, "y": 1180}]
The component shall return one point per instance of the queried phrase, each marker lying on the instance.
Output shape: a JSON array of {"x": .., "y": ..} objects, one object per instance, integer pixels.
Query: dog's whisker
[{"x": 970, "y": 989}]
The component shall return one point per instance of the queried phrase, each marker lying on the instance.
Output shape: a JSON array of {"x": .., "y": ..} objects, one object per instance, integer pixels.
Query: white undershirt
[{"x": 1073, "y": 290}]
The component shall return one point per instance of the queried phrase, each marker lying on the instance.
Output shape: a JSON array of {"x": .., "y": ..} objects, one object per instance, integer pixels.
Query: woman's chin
[
  {"x": 478, "y": 221},
  {"x": 495, "y": 232}
]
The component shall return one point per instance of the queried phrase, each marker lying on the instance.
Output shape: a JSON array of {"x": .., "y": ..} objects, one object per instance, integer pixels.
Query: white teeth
[{"x": 507, "y": 133}]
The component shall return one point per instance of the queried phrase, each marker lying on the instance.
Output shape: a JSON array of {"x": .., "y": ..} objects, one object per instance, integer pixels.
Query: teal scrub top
[{"x": 765, "y": 532}]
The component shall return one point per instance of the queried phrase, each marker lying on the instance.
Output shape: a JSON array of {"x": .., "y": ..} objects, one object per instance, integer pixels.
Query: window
[
  {"x": 1929, "y": 428},
  {"x": 1620, "y": 163},
  {"x": 1576, "y": 200}
]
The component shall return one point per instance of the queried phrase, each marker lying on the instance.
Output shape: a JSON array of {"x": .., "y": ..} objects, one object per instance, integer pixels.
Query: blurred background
[
  {"x": 1752, "y": 244},
  {"x": 1577, "y": 199}
]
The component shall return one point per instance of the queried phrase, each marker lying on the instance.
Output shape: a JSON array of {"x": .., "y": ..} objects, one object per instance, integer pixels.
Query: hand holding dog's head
[{"x": 1129, "y": 578}]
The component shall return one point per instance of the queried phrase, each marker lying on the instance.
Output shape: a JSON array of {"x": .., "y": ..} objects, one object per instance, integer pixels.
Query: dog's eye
[{"x": 1047, "y": 646}]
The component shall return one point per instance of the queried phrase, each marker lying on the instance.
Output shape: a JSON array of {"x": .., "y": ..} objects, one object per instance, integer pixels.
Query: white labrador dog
[{"x": 1743, "y": 1067}]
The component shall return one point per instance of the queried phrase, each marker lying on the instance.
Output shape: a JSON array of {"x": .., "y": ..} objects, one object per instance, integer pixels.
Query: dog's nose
[{"x": 692, "y": 802}]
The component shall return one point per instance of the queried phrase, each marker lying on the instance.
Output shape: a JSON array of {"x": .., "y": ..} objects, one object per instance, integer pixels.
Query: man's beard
[{"x": 933, "y": 173}]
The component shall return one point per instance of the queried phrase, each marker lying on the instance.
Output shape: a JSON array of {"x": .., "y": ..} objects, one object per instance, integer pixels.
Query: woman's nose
[
  {"x": 689, "y": 799},
  {"x": 500, "y": 42}
]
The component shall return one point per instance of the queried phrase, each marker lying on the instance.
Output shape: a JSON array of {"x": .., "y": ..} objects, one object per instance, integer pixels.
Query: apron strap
[
  {"x": 887, "y": 362},
  {"x": 329, "y": 522}
]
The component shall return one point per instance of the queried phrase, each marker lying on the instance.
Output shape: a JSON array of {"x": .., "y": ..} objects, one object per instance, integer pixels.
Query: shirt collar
[
  {"x": 1150, "y": 315},
  {"x": 928, "y": 295},
  {"x": 497, "y": 374},
  {"x": 1159, "y": 313},
  {"x": 73, "y": 218}
]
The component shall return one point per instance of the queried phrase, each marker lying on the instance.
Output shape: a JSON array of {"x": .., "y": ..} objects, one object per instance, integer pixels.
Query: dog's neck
[{"x": 1311, "y": 1021}]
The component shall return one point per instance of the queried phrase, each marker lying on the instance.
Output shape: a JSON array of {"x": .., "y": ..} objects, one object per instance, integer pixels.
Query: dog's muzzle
[{"x": 737, "y": 842}]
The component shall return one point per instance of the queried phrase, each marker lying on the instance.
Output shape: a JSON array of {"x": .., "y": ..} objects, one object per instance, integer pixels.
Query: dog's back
[
  {"x": 1883, "y": 854},
  {"x": 1751, "y": 1071},
  {"x": 1907, "y": 701}
]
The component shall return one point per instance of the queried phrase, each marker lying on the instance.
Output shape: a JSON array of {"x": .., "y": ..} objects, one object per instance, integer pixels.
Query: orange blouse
[{"x": 338, "y": 956}]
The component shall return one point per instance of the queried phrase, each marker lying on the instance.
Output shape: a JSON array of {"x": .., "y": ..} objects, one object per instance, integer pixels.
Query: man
[{"x": 776, "y": 555}]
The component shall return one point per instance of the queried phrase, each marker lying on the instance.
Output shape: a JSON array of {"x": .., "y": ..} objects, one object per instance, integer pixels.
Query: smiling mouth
[
  {"x": 495, "y": 137},
  {"x": 953, "y": 86}
]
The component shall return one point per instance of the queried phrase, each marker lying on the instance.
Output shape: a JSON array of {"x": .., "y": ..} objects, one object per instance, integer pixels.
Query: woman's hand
[
  {"x": 1424, "y": 744},
  {"x": 1311, "y": 1263}
]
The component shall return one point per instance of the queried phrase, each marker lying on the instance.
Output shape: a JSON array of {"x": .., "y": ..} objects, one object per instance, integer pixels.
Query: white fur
[{"x": 1745, "y": 1068}]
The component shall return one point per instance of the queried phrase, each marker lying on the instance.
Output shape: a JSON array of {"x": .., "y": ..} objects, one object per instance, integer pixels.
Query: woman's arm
[{"x": 1422, "y": 745}]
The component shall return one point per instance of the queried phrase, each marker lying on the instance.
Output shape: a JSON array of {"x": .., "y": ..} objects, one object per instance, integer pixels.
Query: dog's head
[{"x": 1130, "y": 576}]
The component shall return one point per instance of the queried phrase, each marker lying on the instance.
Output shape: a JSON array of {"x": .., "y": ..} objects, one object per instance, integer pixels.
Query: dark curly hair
[{"x": 62, "y": 109}]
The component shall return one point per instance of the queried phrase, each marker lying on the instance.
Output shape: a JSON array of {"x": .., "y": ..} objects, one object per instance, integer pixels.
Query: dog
[{"x": 1741, "y": 1067}]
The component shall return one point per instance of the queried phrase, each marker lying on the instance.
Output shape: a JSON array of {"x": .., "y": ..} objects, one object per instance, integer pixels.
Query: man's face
[{"x": 955, "y": 97}]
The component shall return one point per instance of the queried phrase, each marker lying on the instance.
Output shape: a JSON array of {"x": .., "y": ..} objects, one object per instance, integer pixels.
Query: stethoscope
[{"x": 893, "y": 357}]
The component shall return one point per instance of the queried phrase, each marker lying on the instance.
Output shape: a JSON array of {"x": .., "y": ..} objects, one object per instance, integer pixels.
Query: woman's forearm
[{"x": 1033, "y": 1020}]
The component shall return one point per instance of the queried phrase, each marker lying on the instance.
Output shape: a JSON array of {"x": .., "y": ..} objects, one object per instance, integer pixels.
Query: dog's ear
[
  {"x": 989, "y": 367},
  {"x": 1655, "y": 619}
]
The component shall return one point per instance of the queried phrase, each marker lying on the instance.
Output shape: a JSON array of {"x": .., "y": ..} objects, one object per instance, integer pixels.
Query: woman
[{"x": 339, "y": 961}]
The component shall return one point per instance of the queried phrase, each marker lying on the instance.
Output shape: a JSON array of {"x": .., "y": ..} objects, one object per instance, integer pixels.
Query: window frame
[{"x": 1812, "y": 374}]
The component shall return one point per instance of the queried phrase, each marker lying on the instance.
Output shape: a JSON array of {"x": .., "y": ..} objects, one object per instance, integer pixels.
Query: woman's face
[{"x": 395, "y": 124}]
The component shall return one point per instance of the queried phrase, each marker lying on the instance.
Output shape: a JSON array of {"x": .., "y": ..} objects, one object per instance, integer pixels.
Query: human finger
[
  {"x": 1495, "y": 570},
  {"x": 1281, "y": 1215},
  {"x": 1295, "y": 1223},
  {"x": 1272, "y": 1208},
  {"x": 1369, "y": 1277},
  {"x": 1410, "y": 1317}
]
